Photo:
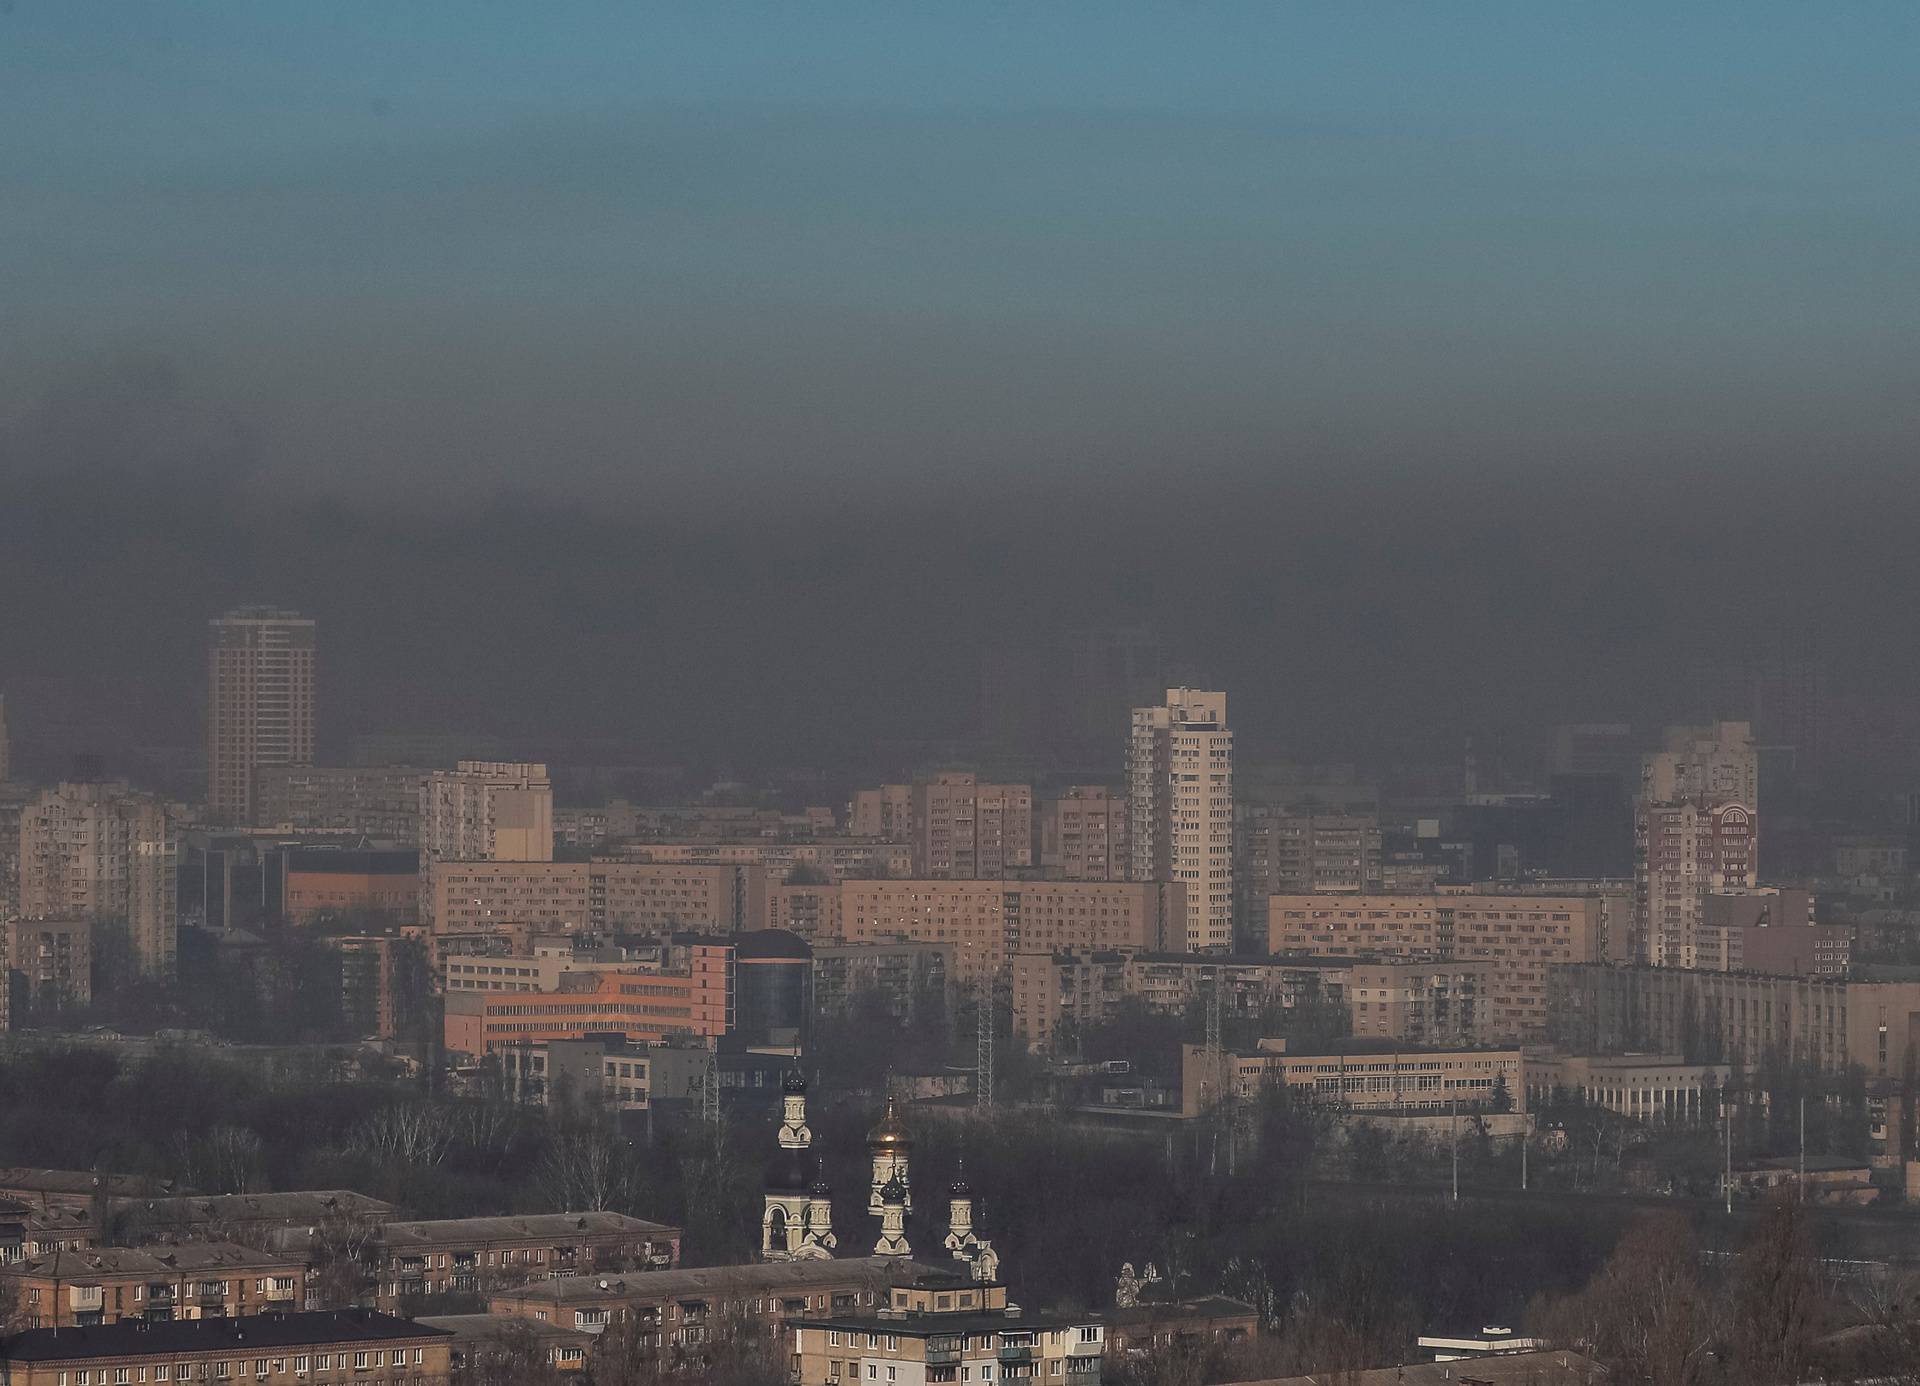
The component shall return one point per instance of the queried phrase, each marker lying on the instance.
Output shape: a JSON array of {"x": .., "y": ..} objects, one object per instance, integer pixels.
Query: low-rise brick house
[
  {"x": 676, "y": 1308},
  {"x": 317, "y": 1349},
  {"x": 248, "y": 1218},
  {"x": 104, "y": 1285},
  {"x": 949, "y": 1329},
  {"x": 28, "y": 1231},
  {"x": 476, "y": 1255},
  {"x": 75, "y": 1188}
]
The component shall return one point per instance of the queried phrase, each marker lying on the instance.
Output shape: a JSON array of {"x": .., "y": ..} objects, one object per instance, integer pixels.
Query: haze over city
[
  {"x": 973, "y": 694},
  {"x": 1483, "y": 368}
]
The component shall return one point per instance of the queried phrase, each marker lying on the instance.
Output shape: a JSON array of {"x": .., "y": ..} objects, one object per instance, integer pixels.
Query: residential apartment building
[
  {"x": 75, "y": 1189},
  {"x": 1827, "y": 1022},
  {"x": 1696, "y": 833},
  {"x": 948, "y": 1329},
  {"x": 1180, "y": 808},
  {"x": 811, "y": 911},
  {"x": 1436, "y": 1003},
  {"x": 985, "y": 922},
  {"x": 104, "y": 852},
  {"x": 966, "y": 830},
  {"x": 600, "y": 897},
  {"x": 676, "y": 1308},
  {"x": 1309, "y": 853},
  {"x": 1521, "y": 935},
  {"x": 330, "y": 1348},
  {"x": 479, "y": 1255},
  {"x": 1769, "y": 931},
  {"x": 885, "y": 813},
  {"x": 904, "y": 975},
  {"x": 1056, "y": 995},
  {"x": 251, "y": 1219},
  {"x": 379, "y": 802},
  {"x": 832, "y": 858},
  {"x": 376, "y": 971},
  {"x": 30, "y": 1231},
  {"x": 496, "y": 811},
  {"x": 50, "y": 961},
  {"x": 1085, "y": 987},
  {"x": 191, "y": 1280},
  {"x": 1083, "y": 834},
  {"x": 1360, "y": 1075},
  {"x": 259, "y": 703}
]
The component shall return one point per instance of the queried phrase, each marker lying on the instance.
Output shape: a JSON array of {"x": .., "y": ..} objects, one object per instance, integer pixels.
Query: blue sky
[{"x": 662, "y": 246}]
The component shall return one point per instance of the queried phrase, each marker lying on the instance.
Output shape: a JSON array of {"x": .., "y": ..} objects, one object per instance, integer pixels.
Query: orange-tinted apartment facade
[{"x": 1520, "y": 935}]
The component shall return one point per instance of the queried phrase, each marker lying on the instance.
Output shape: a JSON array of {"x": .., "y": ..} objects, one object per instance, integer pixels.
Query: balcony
[
  {"x": 942, "y": 1356},
  {"x": 86, "y": 1298},
  {"x": 1016, "y": 1354}
]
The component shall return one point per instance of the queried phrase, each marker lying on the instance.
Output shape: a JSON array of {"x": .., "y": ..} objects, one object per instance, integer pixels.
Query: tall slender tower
[
  {"x": 1180, "y": 807},
  {"x": 1697, "y": 831},
  {"x": 6, "y": 746},
  {"x": 260, "y": 703}
]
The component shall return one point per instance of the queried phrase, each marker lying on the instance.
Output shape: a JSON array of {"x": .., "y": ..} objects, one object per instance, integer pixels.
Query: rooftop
[
  {"x": 468, "y": 1328},
  {"x": 1504, "y": 1369},
  {"x": 299, "y": 1205},
  {"x": 78, "y": 1181},
  {"x": 559, "y": 1226},
  {"x": 156, "y": 1262},
  {"x": 136, "y": 1338},
  {"x": 921, "y": 1324},
  {"x": 722, "y": 1280}
]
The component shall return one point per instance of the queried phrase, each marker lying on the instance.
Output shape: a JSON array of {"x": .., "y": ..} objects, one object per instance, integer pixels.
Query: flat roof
[
  {"x": 136, "y": 1338},
  {"x": 924, "y": 1324},
  {"x": 703, "y": 1281},
  {"x": 397, "y": 1235}
]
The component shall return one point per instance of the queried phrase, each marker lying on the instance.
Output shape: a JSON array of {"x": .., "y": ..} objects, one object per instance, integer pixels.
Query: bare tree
[
  {"x": 510, "y": 1355},
  {"x": 408, "y": 1133},
  {"x": 586, "y": 1171},
  {"x": 1645, "y": 1316},
  {"x": 1777, "y": 1297},
  {"x": 343, "y": 1247}
]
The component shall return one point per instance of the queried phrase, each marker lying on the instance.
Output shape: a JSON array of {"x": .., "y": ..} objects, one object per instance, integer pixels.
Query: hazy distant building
[
  {"x": 885, "y": 812},
  {"x": 260, "y": 702},
  {"x": 1113, "y": 669},
  {"x": 1828, "y": 1023},
  {"x": 1521, "y": 935},
  {"x": 50, "y": 961},
  {"x": 1293, "y": 853},
  {"x": 629, "y": 897},
  {"x": 1696, "y": 832},
  {"x": 967, "y": 830},
  {"x": 1595, "y": 748},
  {"x": 381, "y": 802},
  {"x": 959, "y": 827},
  {"x": 1180, "y": 807},
  {"x": 1083, "y": 834},
  {"x": 6, "y": 745},
  {"x": 985, "y": 922},
  {"x": 103, "y": 852},
  {"x": 483, "y": 811}
]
